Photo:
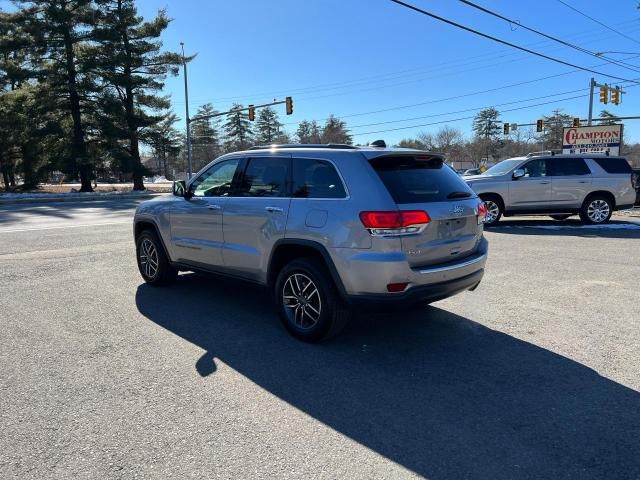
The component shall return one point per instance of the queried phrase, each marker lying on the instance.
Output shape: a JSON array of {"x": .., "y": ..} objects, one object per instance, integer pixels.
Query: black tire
[
  {"x": 490, "y": 201},
  {"x": 560, "y": 217},
  {"x": 596, "y": 210},
  {"x": 301, "y": 321},
  {"x": 164, "y": 273}
]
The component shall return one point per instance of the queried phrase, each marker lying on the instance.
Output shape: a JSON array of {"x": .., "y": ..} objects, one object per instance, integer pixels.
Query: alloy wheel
[
  {"x": 598, "y": 211},
  {"x": 493, "y": 211},
  {"x": 301, "y": 300},
  {"x": 149, "y": 258}
]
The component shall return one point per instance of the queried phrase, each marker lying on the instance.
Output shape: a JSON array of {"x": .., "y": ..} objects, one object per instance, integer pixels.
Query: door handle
[
  {"x": 274, "y": 209},
  {"x": 214, "y": 207},
  {"x": 544, "y": 183},
  {"x": 583, "y": 181}
]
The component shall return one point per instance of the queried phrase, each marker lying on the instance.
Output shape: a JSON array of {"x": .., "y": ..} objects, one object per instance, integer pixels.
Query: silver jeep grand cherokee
[
  {"x": 592, "y": 186},
  {"x": 324, "y": 227}
]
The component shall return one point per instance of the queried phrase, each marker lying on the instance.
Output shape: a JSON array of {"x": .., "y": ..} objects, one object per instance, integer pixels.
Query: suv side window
[
  {"x": 561, "y": 167},
  {"x": 535, "y": 168},
  {"x": 265, "y": 177},
  {"x": 316, "y": 179},
  {"x": 613, "y": 164},
  {"x": 216, "y": 181}
]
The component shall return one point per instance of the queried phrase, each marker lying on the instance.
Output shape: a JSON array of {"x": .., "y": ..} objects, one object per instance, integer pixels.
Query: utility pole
[
  {"x": 186, "y": 107},
  {"x": 592, "y": 84}
]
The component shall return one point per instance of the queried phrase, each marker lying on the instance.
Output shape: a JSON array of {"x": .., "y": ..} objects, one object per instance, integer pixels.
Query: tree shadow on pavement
[
  {"x": 435, "y": 392},
  {"x": 571, "y": 227},
  {"x": 62, "y": 210}
]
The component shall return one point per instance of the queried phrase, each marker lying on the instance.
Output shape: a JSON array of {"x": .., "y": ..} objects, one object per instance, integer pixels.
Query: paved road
[{"x": 533, "y": 375}]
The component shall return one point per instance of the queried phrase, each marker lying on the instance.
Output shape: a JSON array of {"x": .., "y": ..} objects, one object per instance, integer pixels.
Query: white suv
[{"x": 592, "y": 186}]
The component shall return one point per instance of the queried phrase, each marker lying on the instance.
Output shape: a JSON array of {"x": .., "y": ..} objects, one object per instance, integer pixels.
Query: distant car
[
  {"x": 325, "y": 227},
  {"x": 472, "y": 171},
  {"x": 592, "y": 186}
]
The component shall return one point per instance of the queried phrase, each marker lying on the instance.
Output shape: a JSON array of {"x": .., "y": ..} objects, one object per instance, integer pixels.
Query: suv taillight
[
  {"x": 396, "y": 222},
  {"x": 482, "y": 212}
]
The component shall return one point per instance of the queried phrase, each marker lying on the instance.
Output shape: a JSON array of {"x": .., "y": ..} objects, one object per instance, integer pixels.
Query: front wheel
[
  {"x": 596, "y": 210},
  {"x": 308, "y": 303},
  {"x": 153, "y": 262}
]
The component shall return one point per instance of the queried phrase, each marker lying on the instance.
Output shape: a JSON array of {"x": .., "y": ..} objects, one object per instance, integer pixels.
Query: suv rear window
[
  {"x": 613, "y": 165},
  {"x": 418, "y": 179}
]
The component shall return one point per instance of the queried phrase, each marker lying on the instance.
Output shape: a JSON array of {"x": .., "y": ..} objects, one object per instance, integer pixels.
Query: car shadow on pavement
[
  {"x": 571, "y": 227},
  {"x": 432, "y": 391}
]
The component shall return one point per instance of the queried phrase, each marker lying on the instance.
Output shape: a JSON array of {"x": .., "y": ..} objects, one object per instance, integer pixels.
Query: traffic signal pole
[
  {"x": 591, "y": 87},
  {"x": 186, "y": 103}
]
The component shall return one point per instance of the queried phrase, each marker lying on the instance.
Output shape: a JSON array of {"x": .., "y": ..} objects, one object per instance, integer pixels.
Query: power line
[
  {"x": 598, "y": 22},
  {"x": 456, "y": 97},
  {"x": 470, "y": 109},
  {"x": 465, "y": 118},
  {"x": 550, "y": 37},
  {"x": 473, "y": 116},
  {"x": 504, "y": 42},
  {"x": 376, "y": 78},
  {"x": 476, "y": 109}
]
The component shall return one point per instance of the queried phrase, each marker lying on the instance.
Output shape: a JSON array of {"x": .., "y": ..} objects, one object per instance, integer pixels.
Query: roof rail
[
  {"x": 337, "y": 146},
  {"x": 543, "y": 153}
]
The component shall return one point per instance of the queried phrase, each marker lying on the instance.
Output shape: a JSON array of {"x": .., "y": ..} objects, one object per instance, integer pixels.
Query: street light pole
[
  {"x": 591, "y": 85},
  {"x": 186, "y": 104}
]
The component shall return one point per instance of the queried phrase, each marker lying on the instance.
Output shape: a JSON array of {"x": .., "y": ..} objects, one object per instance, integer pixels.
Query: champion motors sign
[{"x": 599, "y": 139}]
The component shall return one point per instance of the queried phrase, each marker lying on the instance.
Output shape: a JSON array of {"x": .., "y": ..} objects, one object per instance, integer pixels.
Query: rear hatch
[{"x": 423, "y": 182}]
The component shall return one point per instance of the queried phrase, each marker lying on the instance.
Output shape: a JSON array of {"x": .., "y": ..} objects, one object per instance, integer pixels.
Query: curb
[{"x": 78, "y": 197}]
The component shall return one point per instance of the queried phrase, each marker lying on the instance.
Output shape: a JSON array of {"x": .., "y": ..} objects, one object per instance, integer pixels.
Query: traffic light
[
  {"x": 506, "y": 128},
  {"x": 615, "y": 96},
  {"x": 576, "y": 122},
  {"x": 540, "y": 126},
  {"x": 289, "y": 102},
  {"x": 604, "y": 94},
  {"x": 252, "y": 113}
]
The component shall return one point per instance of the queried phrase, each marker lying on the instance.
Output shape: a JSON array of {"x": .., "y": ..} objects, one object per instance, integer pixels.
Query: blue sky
[{"x": 352, "y": 57}]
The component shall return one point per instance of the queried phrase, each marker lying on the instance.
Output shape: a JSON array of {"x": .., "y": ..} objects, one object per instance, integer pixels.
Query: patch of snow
[{"x": 606, "y": 226}]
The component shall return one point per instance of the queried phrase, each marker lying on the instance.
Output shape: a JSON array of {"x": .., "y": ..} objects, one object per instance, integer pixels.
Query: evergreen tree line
[
  {"x": 80, "y": 89},
  {"x": 81, "y": 93},
  {"x": 214, "y": 136}
]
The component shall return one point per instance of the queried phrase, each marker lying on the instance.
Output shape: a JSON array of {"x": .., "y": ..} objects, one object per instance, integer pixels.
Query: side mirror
[
  {"x": 179, "y": 188},
  {"x": 518, "y": 173}
]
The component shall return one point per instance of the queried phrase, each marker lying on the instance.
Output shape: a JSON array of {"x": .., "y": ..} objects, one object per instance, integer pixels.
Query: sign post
[{"x": 603, "y": 139}]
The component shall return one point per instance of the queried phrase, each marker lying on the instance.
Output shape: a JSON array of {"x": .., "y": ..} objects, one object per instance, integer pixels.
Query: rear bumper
[
  {"x": 365, "y": 276},
  {"x": 419, "y": 294}
]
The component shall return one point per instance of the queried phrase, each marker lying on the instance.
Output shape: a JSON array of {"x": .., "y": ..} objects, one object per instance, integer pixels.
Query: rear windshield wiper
[{"x": 459, "y": 195}]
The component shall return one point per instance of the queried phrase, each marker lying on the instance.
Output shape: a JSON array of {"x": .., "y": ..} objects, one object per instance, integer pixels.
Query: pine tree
[
  {"x": 607, "y": 118},
  {"x": 309, "y": 132},
  {"x": 335, "y": 131},
  {"x": 165, "y": 140},
  {"x": 553, "y": 129},
  {"x": 61, "y": 29},
  {"x": 268, "y": 126},
  {"x": 130, "y": 63},
  {"x": 205, "y": 136},
  {"x": 237, "y": 130},
  {"x": 487, "y": 129}
]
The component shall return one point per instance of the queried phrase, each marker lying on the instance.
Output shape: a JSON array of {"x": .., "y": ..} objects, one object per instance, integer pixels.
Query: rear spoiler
[{"x": 427, "y": 159}]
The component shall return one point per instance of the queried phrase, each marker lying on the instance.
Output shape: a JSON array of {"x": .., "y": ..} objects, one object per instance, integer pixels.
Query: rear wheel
[
  {"x": 494, "y": 209},
  {"x": 560, "y": 217},
  {"x": 596, "y": 209},
  {"x": 153, "y": 262},
  {"x": 308, "y": 303}
]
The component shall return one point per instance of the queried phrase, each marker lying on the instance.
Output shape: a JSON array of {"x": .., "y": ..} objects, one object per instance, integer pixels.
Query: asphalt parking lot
[{"x": 533, "y": 375}]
